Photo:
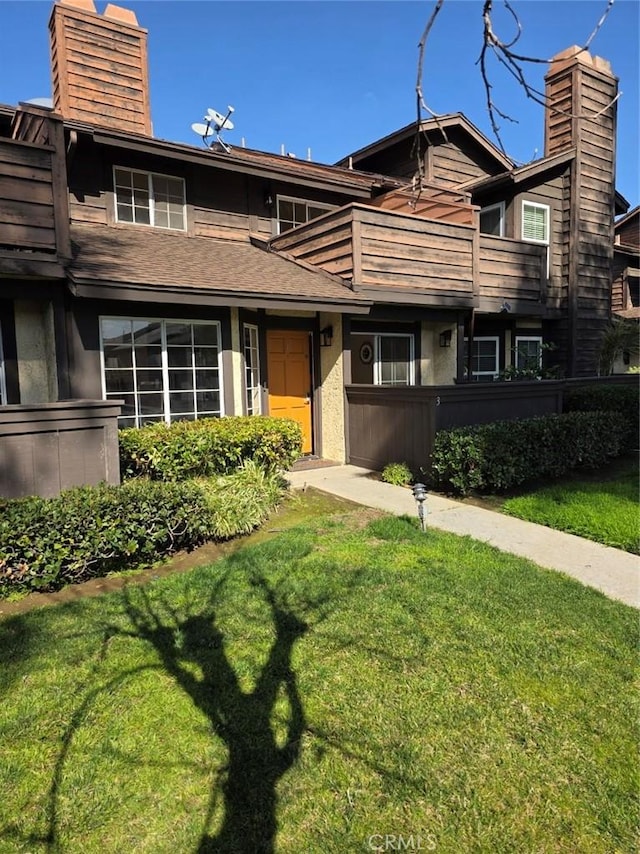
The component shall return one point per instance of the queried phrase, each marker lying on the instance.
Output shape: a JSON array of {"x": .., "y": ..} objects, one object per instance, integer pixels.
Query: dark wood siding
[{"x": 27, "y": 219}]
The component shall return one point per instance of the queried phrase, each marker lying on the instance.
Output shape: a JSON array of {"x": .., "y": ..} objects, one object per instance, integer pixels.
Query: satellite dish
[
  {"x": 202, "y": 130},
  {"x": 212, "y": 124},
  {"x": 219, "y": 121}
]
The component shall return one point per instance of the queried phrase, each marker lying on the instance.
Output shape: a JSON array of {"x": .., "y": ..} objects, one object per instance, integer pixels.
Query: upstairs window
[
  {"x": 293, "y": 212},
  {"x": 492, "y": 220},
  {"x": 535, "y": 224},
  {"x": 146, "y": 198}
]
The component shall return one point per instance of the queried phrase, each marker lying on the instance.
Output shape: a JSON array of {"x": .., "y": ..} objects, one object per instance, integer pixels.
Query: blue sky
[{"x": 335, "y": 75}]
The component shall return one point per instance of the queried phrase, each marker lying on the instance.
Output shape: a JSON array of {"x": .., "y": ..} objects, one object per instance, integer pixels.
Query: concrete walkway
[{"x": 614, "y": 572}]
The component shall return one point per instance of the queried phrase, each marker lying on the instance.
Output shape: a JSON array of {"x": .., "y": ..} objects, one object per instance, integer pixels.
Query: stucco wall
[
  {"x": 332, "y": 379},
  {"x": 437, "y": 364},
  {"x": 36, "y": 352},
  {"x": 237, "y": 361}
]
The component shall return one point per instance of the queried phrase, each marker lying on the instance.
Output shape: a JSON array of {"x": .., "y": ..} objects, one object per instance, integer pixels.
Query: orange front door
[{"x": 289, "y": 372}]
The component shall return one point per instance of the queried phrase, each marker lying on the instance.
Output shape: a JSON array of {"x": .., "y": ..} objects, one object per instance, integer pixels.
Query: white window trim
[
  {"x": 307, "y": 202},
  {"x": 253, "y": 328},
  {"x": 150, "y": 176},
  {"x": 497, "y": 206},
  {"x": 165, "y": 363},
  {"x": 496, "y": 340},
  {"x": 546, "y": 242},
  {"x": 524, "y": 338},
  {"x": 376, "y": 336},
  {"x": 3, "y": 378}
]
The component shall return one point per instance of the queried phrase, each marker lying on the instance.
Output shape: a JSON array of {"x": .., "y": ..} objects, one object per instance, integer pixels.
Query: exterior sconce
[
  {"x": 420, "y": 495},
  {"x": 268, "y": 200},
  {"x": 445, "y": 338},
  {"x": 326, "y": 336}
]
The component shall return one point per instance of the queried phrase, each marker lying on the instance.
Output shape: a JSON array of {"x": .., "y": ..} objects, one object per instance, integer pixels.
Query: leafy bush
[
  {"x": 210, "y": 446},
  {"x": 607, "y": 398},
  {"x": 86, "y": 532},
  {"x": 495, "y": 457},
  {"x": 398, "y": 474}
]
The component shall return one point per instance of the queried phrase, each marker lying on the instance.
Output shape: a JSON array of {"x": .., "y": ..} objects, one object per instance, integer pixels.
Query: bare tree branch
[{"x": 514, "y": 63}]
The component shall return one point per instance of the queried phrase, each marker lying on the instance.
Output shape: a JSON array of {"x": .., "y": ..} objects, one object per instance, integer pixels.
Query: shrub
[
  {"x": 607, "y": 398},
  {"x": 495, "y": 457},
  {"x": 46, "y": 543},
  {"x": 398, "y": 474},
  {"x": 210, "y": 446}
]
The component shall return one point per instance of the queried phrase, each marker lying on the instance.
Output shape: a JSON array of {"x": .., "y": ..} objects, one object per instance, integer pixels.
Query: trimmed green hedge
[
  {"x": 497, "y": 456},
  {"x": 46, "y": 543},
  {"x": 608, "y": 398},
  {"x": 210, "y": 446}
]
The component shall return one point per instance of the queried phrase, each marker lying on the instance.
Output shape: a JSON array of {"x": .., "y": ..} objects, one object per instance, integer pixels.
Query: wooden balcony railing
[
  {"x": 34, "y": 218},
  {"x": 395, "y": 256}
]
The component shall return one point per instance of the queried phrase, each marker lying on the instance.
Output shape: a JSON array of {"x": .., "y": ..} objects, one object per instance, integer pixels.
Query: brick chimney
[
  {"x": 99, "y": 66},
  {"x": 581, "y": 91}
]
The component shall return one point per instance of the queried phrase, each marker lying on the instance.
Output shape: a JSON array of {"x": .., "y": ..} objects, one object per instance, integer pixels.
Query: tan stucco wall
[
  {"x": 332, "y": 396},
  {"x": 437, "y": 364},
  {"x": 36, "y": 351},
  {"x": 237, "y": 361}
]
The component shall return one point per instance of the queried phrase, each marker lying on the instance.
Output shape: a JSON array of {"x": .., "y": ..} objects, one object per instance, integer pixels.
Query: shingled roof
[{"x": 143, "y": 263}]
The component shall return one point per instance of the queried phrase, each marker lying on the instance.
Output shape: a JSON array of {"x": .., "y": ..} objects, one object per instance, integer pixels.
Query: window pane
[
  {"x": 285, "y": 210},
  {"x": 161, "y": 219},
  {"x": 299, "y": 213},
  {"x": 534, "y": 223},
  {"x": 116, "y": 331},
  {"x": 491, "y": 221},
  {"x": 147, "y": 332},
  {"x": 150, "y": 404},
  {"x": 118, "y": 356},
  {"x": 149, "y": 357},
  {"x": 205, "y": 334},
  {"x": 207, "y": 379},
  {"x": 179, "y": 357},
  {"x": 119, "y": 381},
  {"x": 149, "y": 380},
  {"x": 181, "y": 380},
  {"x": 181, "y": 402},
  {"x": 178, "y": 333},
  {"x": 314, "y": 212},
  {"x": 206, "y": 357},
  {"x": 140, "y": 181},
  {"x": 208, "y": 401}
]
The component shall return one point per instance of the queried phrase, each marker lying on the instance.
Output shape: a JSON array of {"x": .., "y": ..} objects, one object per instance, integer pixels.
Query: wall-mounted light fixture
[
  {"x": 445, "y": 338},
  {"x": 268, "y": 200},
  {"x": 505, "y": 308},
  {"x": 326, "y": 336}
]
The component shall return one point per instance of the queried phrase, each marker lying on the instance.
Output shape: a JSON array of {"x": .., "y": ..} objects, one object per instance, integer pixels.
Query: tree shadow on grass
[
  {"x": 191, "y": 647},
  {"x": 242, "y": 720}
]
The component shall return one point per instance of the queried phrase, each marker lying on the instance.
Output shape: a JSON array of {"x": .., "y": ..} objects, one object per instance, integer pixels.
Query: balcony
[
  {"x": 34, "y": 229},
  {"x": 429, "y": 253}
]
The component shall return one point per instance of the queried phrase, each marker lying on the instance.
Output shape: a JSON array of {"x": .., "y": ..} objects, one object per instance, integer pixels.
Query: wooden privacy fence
[
  {"x": 398, "y": 423},
  {"x": 48, "y": 447}
]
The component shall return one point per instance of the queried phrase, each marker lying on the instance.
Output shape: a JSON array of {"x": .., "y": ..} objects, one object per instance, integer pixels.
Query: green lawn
[
  {"x": 334, "y": 683},
  {"x": 604, "y": 509}
]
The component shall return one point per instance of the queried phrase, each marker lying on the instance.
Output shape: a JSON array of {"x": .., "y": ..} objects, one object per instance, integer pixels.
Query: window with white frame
[
  {"x": 293, "y": 212},
  {"x": 528, "y": 352},
  {"x": 384, "y": 358},
  {"x": 252, "y": 369},
  {"x": 3, "y": 379},
  {"x": 164, "y": 370},
  {"x": 492, "y": 219},
  {"x": 536, "y": 224},
  {"x": 147, "y": 198},
  {"x": 484, "y": 356}
]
